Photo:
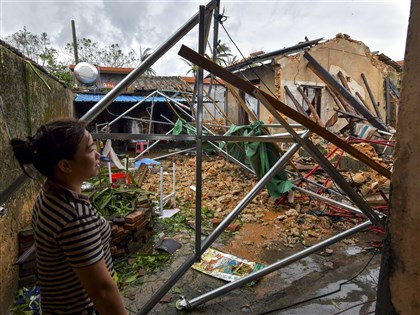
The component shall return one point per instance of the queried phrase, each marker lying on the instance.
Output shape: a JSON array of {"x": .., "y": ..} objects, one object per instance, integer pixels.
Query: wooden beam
[
  {"x": 247, "y": 87},
  {"x": 340, "y": 90},
  {"x": 311, "y": 108}
]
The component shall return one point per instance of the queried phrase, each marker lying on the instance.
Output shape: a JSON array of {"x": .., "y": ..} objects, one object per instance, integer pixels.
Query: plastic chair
[{"x": 141, "y": 146}]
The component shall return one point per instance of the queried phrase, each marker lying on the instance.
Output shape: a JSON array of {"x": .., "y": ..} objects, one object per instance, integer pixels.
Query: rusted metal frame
[
  {"x": 311, "y": 108},
  {"x": 394, "y": 89},
  {"x": 372, "y": 98},
  {"x": 387, "y": 101},
  {"x": 295, "y": 101},
  {"x": 247, "y": 87},
  {"x": 339, "y": 89},
  {"x": 322, "y": 161}
]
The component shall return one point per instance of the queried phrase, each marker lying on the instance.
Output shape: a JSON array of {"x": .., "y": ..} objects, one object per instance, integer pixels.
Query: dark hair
[{"x": 54, "y": 141}]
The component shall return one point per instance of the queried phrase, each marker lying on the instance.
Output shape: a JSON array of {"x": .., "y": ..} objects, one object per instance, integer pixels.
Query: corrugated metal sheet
[{"x": 88, "y": 98}]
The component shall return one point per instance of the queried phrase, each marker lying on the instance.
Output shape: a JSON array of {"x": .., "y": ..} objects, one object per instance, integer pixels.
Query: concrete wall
[
  {"x": 399, "y": 285},
  {"x": 343, "y": 54},
  {"x": 45, "y": 104}
]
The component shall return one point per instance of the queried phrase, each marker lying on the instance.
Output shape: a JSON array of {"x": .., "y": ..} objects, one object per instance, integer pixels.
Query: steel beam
[
  {"x": 222, "y": 226},
  {"x": 279, "y": 106},
  {"x": 325, "y": 76},
  {"x": 184, "y": 304},
  {"x": 146, "y": 64}
]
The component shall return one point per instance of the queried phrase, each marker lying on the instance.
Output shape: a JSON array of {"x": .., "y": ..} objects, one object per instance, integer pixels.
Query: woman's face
[{"x": 86, "y": 160}]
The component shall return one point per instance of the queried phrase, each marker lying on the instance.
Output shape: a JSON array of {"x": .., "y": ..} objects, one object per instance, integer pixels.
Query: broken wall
[
  {"x": 28, "y": 98},
  {"x": 343, "y": 54}
]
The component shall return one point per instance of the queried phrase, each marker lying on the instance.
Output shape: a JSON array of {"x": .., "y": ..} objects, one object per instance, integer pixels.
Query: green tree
[
  {"x": 223, "y": 54},
  {"x": 39, "y": 49},
  {"x": 142, "y": 56}
]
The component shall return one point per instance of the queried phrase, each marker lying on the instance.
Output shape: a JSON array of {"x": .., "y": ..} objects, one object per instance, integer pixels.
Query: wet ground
[
  {"x": 320, "y": 279},
  {"x": 306, "y": 279}
]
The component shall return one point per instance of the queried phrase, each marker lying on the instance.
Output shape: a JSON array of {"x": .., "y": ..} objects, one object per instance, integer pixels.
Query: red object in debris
[{"x": 120, "y": 177}]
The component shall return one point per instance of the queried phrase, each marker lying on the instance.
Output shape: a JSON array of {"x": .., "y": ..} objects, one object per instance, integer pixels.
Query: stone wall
[{"x": 28, "y": 98}]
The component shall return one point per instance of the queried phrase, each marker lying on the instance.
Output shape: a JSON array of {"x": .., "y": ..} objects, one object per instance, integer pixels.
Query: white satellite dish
[{"x": 86, "y": 73}]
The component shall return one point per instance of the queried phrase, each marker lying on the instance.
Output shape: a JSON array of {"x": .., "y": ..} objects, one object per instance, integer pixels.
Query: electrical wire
[
  {"x": 222, "y": 18},
  {"x": 326, "y": 294}
]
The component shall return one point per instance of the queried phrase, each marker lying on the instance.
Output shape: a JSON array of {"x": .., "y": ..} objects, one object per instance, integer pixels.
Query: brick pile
[{"x": 132, "y": 233}]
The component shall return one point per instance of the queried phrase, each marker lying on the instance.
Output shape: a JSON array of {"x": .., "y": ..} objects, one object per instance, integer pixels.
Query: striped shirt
[{"x": 69, "y": 234}]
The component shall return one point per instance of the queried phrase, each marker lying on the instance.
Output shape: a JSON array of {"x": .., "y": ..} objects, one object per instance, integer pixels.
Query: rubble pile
[{"x": 224, "y": 185}]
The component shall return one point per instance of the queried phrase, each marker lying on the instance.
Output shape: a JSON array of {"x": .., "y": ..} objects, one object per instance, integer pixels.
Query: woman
[{"x": 75, "y": 270}]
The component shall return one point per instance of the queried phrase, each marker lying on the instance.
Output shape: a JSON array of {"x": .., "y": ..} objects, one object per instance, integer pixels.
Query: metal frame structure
[
  {"x": 300, "y": 139},
  {"x": 275, "y": 107}
]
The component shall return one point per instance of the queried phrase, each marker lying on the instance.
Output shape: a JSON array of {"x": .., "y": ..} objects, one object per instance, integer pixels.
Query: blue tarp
[{"x": 87, "y": 98}]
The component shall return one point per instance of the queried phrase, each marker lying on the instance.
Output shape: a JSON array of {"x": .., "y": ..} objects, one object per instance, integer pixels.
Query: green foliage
[
  {"x": 118, "y": 201},
  {"x": 39, "y": 49},
  {"x": 133, "y": 268}
]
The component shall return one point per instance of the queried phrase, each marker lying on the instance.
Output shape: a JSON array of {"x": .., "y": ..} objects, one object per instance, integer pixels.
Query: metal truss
[{"x": 275, "y": 107}]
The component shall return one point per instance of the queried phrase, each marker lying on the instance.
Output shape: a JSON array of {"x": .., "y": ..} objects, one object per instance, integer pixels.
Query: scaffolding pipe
[
  {"x": 130, "y": 109},
  {"x": 284, "y": 159},
  {"x": 188, "y": 305},
  {"x": 328, "y": 200},
  {"x": 152, "y": 145},
  {"x": 221, "y": 150},
  {"x": 146, "y": 64},
  {"x": 199, "y": 135}
]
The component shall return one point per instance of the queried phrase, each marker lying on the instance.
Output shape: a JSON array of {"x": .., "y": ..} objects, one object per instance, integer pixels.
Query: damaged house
[
  {"x": 371, "y": 78},
  {"x": 148, "y": 106}
]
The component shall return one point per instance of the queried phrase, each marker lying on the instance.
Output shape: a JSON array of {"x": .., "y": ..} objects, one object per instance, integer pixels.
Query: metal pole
[
  {"x": 284, "y": 159},
  {"x": 174, "y": 184},
  {"x": 231, "y": 158},
  {"x": 161, "y": 191},
  {"x": 331, "y": 201},
  {"x": 199, "y": 135},
  {"x": 73, "y": 31},
  {"x": 173, "y": 153},
  {"x": 152, "y": 145},
  {"x": 146, "y": 64},
  {"x": 130, "y": 109},
  {"x": 188, "y": 305},
  {"x": 323, "y": 162}
]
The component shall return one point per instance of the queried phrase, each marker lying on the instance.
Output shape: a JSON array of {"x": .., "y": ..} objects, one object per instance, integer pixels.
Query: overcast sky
[{"x": 253, "y": 25}]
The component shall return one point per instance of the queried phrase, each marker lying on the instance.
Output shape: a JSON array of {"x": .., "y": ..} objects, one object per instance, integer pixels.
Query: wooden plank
[
  {"x": 247, "y": 87},
  {"x": 295, "y": 101},
  {"x": 311, "y": 108},
  {"x": 340, "y": 90},
  {"x": 372, "y": 98}
]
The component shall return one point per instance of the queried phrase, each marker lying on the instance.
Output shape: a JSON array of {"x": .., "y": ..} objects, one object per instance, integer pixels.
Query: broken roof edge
[
  {"x": 271, "y": 55},
  {"x": 340, "y": 36}
]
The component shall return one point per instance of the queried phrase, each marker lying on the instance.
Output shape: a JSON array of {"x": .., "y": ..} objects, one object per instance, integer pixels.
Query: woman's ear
[{"x": 64, "y": 166}]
